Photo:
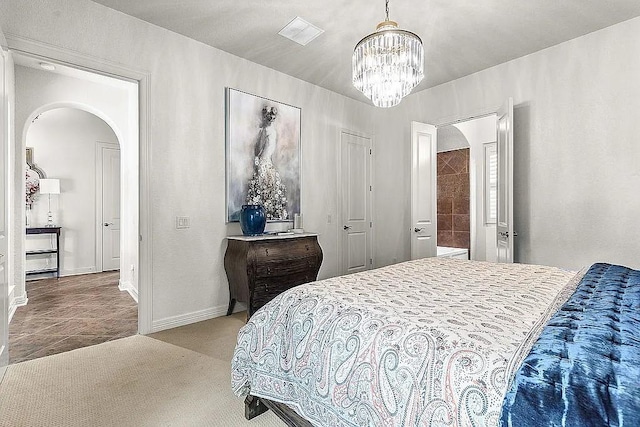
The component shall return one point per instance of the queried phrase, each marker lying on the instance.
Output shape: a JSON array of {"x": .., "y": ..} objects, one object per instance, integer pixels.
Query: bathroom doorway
[{"x": 466, "y": 194}]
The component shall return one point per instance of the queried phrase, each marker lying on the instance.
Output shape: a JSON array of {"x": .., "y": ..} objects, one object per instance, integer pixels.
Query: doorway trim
[
  {"x": 458, "y": 118},
  {"x": 85, "y": 62}
]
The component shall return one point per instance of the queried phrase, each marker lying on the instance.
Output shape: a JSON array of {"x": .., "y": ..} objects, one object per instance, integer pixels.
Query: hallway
[{"x": 69, "y": 313}]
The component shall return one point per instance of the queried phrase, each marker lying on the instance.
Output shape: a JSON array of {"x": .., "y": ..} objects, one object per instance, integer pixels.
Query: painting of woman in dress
[
  {"x": 265, "y": 187},
  {"x": 263, "y": 156}
]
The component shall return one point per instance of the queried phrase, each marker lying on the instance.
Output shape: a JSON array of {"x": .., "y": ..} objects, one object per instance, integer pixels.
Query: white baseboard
[
  {"x": 12, "y": 311},
  {"x": 77, "y": 271},
  {"x": 15, "y": 303},
  {"x": 20, "y": 301},
  {"x": 4, "y": 361},
  {"x": 128, "y": 287},
  {"x": 187, "y": 319}
]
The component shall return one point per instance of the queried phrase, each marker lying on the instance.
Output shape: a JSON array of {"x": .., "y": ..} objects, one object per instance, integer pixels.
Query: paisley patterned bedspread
[
  {"x": 430, "y": 342},
  {"x": 584, "y": 370}
]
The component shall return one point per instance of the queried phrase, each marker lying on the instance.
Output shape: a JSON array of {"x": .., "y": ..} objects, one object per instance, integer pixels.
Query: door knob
[
  {"x": 417, "y": 230},
  {"x": 106, "y": 224},
  {"x": 347, "y": 227},
  {"x": 504, "y": 233}
]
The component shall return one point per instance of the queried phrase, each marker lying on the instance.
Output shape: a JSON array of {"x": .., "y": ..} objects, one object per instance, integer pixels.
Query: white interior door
[
  {"x": 110, "y": 224},
  {"x": 423, "y": 190},
  {"x": 356, "y": 225},
  {"x": 504, "y": 219},
  {"x": 6, "y": 88}
]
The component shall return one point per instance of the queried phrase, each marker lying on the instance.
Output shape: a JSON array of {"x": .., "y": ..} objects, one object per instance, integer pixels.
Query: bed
[{"x": 440, "y": 342}]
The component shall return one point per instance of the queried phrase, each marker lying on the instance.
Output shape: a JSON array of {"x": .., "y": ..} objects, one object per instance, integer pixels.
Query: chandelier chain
[{"x": 387, "y": 9}]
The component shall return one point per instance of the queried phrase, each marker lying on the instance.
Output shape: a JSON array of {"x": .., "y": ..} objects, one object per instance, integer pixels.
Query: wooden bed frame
[{"x": 254, "y": 406}]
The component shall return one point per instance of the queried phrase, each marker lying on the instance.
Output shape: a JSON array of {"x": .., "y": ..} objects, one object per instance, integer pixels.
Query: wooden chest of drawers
[{"x": 261, "y": 267}]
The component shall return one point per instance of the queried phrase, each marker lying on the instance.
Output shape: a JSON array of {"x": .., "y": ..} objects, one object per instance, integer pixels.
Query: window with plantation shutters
[{"x": 490, "y": 183}]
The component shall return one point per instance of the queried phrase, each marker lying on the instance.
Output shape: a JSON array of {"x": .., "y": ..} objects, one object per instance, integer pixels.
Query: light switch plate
[{"x": 183, "y": 222}]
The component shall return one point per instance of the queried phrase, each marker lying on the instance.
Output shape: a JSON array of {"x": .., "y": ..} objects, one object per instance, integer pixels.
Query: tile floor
[{"x": 70, "y": 312}]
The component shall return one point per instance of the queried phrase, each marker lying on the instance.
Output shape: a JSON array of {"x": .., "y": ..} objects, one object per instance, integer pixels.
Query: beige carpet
[{"x": 135, "y": 381}]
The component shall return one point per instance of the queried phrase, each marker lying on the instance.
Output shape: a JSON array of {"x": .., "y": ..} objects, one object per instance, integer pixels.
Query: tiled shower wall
[{"x": 453, "y": 199}]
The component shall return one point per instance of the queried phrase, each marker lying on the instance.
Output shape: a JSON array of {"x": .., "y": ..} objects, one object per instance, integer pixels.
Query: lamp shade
[{"x": 49, "y": 186}]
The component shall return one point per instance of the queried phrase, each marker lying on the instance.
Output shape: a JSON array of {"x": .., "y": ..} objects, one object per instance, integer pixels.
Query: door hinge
[
  {"x": 140, "y": 237},
  {"x": 370, "y": 224},
  {"x": 370, "y": 188},
  {"x": 370, "y": 261},
  {"x": 370, "y": 151}
]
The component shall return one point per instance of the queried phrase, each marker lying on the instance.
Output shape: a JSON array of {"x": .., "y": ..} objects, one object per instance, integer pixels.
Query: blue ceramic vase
[{"x": 253, "y": 219}]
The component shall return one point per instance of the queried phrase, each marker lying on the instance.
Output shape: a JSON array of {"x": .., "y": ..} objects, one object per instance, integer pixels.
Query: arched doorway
[{"x": 80, "y": 152}]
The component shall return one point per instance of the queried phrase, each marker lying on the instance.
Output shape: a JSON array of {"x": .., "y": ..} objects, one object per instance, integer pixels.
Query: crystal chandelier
[{"x": 388, "y": 63}]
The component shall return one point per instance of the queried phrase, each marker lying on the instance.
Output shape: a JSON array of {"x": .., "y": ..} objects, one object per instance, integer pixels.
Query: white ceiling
[{"x": 460, "y": 36}]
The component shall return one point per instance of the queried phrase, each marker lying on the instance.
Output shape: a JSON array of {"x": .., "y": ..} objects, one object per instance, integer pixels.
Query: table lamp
[{"x": 49, "y": 186}]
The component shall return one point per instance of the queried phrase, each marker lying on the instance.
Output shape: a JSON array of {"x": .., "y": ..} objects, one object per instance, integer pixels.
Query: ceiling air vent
[{"x": 300, "y": 31}]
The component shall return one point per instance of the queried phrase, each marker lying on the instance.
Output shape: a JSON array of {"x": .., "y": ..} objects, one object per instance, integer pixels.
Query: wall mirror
[{"x": 33, "y": 176}]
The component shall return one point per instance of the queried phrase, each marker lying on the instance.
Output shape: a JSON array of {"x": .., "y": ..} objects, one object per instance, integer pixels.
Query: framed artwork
[{"x": 262, "y": 155}]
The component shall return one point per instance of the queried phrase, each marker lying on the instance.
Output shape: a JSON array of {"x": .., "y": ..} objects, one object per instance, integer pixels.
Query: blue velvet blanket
[{"x": 584, "y": 370}]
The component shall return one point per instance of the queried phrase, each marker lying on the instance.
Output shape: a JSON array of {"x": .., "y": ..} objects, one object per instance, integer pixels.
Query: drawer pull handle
[
  {"x": 268, "y": 270},
  {"x": 266, "y": 251}
]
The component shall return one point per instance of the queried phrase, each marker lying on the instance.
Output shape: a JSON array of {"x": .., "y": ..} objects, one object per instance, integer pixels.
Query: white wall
[
  {"x": 39, "y": 90},
  {"x": 576, "y": 144},
  {"x": 64, "y": 143},
  {"x": 186, "y": 111},
  {"x": 392, "y": 173}
]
